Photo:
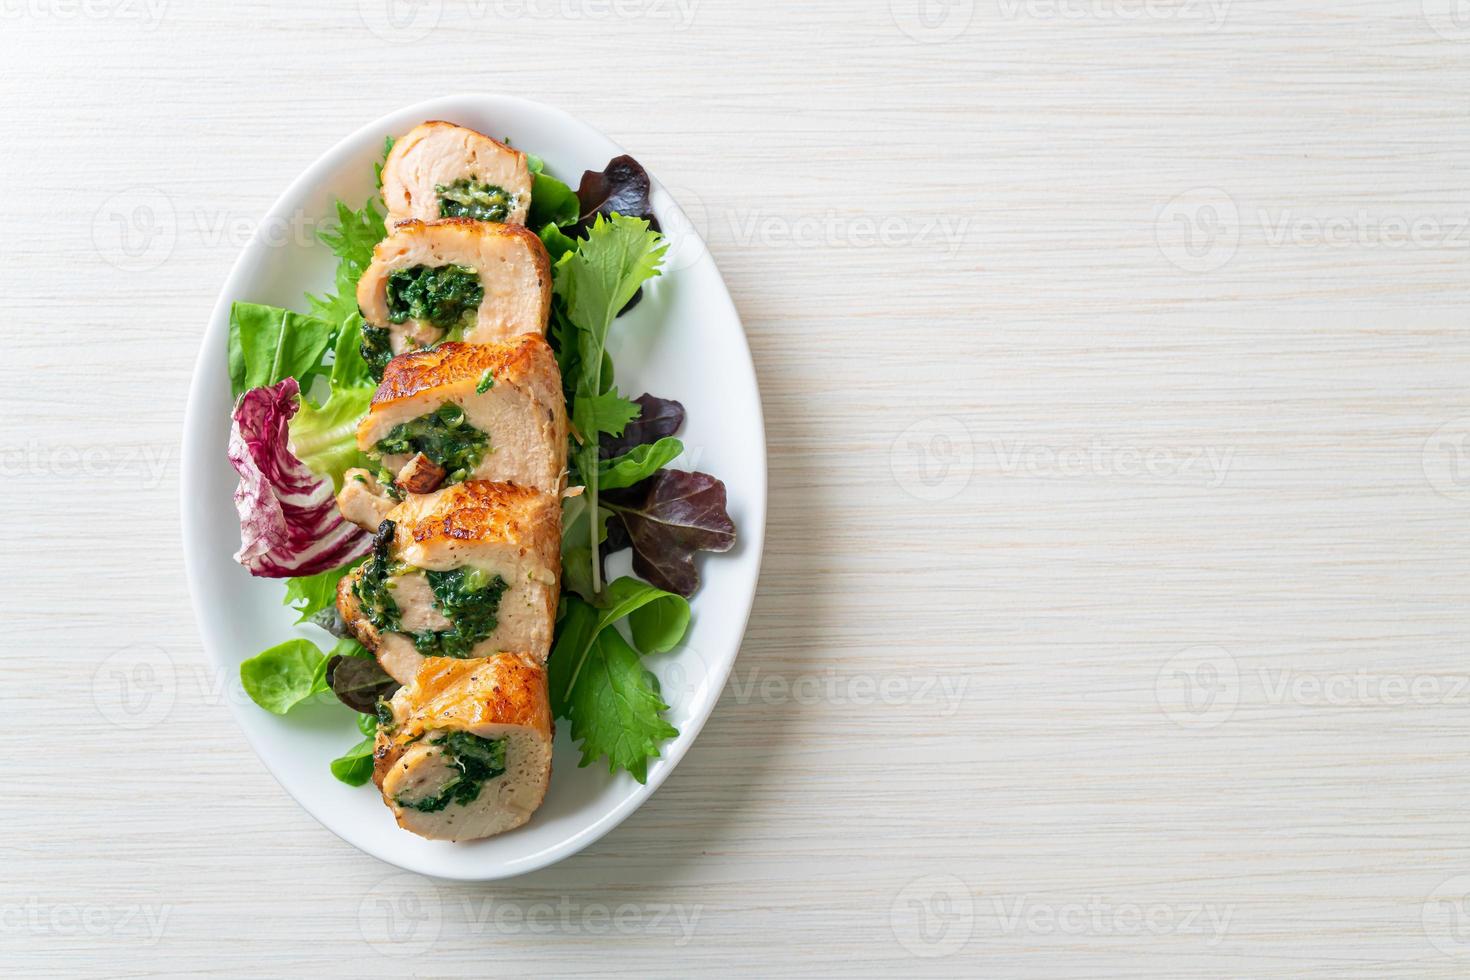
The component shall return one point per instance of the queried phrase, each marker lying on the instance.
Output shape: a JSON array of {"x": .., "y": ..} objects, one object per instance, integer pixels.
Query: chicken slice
[
  {"x": 511, "y": 392},
  {"x": 440, "y": 170},
  {"x": 363, "y": 500},
  {"x": 467, "y": 753},
  {"x": 506, "y": 532},
  {"x": 508, "y": 262}
]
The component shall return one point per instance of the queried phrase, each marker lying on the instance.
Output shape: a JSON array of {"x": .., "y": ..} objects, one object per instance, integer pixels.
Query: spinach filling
[
  {"x": 443, "y": 436},
  {"x": 372, "y": 590},
  {"x": 470, "y": 198},
  {"x": 478, "y": 760},
  {"x": 376, "y": 350},
  {"x": 470, "y": 599},
  {"x": 444, "y": 295}
]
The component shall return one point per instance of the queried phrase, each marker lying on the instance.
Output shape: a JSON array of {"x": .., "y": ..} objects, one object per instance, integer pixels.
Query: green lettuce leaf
[
  {"x": 576, "y": 552},
  {"x": 592, "y": 285},
  {"x": 613, "y": 703},
  {"x": 552, "y": 202},
  {"x": 658, "y": 621},
  {"x": 325, "y": 438},
  {"x": 637, "y": 464},
  {"x": 608, "y": 412},
  {"x": 282, "y": 677},
  {"x": 349, "y": 370},
  {"x": 355, "y": 766},
  {"x": 268, "y": 344},
  {"x": 310, "y": 594},
  {"x": 557, "y": 244}
]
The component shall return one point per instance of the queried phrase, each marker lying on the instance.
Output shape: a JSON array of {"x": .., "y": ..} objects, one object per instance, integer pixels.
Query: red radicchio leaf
[
  {"x": 660, "y": 417},
  {"x": 289, "y": 522},
  {"x": 668, "y": 518}
]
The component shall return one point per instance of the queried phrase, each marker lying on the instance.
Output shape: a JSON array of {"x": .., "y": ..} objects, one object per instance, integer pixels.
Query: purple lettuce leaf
[
  {"x": 668, "y": 518},
  {"x": 660, "y": 417},
  {"x": 289, "y": 522},
  {"x": 619, "y": 188}
]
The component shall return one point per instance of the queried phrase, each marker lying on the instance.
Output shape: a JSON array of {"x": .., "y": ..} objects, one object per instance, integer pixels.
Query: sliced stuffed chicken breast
[
  {"x": 440, "y": 170},
  {"x": 454, "y": 278},
  {"x": 464, "y": 572},
  {"x": 462, "y": 412},
  {"x": 466, "y": 752}
]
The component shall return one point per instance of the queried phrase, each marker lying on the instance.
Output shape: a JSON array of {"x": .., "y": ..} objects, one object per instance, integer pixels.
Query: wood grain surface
[{"x": 1114, "y": 356}]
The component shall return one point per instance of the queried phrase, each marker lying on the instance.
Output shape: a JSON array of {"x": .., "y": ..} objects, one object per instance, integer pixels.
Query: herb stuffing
[
  {"x": 374, "y": 589},
  {"x": 470, "y": 198},
  {"x": 470, "y": 599},
  {"x": 478, "y": 760},
  {"x": 444, "y": 436},
  {"x": 444, "y": 295},
  {"x": 377, "y": 350}
]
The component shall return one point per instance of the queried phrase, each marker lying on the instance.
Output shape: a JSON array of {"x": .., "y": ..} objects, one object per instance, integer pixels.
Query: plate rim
[{"x": 195, "y": 451}]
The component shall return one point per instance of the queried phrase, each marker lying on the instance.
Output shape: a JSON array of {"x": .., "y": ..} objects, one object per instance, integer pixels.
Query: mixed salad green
[{"x": 302, "y": 382}]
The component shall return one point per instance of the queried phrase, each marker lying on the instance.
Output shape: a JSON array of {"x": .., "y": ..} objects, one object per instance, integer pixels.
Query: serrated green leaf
[
  {"x": 601, "y": 276},
  {"x": 615, "y": 708},
  {"x": 608, "y": 412},
  {"x": 658, "y": 620},
  {"x": 352, "y": 240}
]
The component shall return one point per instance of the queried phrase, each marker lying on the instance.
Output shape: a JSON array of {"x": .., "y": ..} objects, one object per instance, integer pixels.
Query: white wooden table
[{"x": 1116, "y": 364}]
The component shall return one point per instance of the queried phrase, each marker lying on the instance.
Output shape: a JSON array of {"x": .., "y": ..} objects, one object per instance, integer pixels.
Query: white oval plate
[{"x": 684, "y": 341}]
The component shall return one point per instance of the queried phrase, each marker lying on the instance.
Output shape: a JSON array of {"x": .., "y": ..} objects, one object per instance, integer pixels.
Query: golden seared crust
[
  {"x": 481, "y": 512},
  {"x": 514, "y": 361},
  {"x": 508, "y": 689},
  {"x": 418, "y": 225},
  {"x": 353, "y": 618}
]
